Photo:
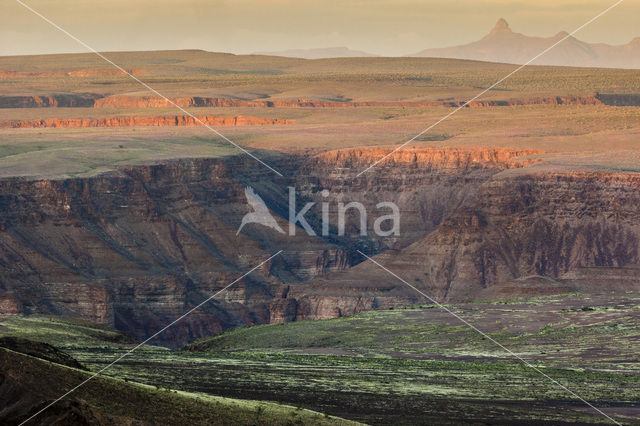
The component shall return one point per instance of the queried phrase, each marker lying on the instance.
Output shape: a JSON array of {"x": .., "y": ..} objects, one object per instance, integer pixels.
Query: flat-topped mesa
[
  {"x": 155, "y": 121},
  {"x": 432, "y": 158}
]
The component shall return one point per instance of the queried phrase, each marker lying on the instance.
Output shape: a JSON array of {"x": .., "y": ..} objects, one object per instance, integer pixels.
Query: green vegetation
[
  {"x": 35, "y": 381},
  {"x": 75, "y": 156},
  {"x": 416, "y": 364}
]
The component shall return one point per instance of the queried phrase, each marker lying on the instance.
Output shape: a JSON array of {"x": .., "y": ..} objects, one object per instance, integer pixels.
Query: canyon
[
  {"x": 136, "y": 247},
  {"x": 131, "y": 228},
  {"x": 93, "y": 100},
  {"x": 123, "y": 219},
  {"x": 133, "y": 121}
]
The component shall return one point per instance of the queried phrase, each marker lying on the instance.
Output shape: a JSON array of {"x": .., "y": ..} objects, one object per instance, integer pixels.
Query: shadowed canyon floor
[{"x": 116, "y": 209}]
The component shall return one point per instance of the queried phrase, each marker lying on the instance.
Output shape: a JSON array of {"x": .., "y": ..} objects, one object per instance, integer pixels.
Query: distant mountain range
[
  {"x": 320, "y": 53},
  {"x": 504, "y": 45}
]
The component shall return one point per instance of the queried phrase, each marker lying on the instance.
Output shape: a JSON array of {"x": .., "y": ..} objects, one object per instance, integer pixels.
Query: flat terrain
[
  {"x": 418, "y": 364},
  {"x": 573, "y": 136}
]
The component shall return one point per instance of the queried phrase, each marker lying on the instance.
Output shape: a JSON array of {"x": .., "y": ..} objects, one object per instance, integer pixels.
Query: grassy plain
[{"x": 417, "y": 364}]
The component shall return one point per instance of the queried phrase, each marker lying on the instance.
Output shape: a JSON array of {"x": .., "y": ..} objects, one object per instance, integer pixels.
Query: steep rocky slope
[
  {"x": 579, "y": 228},
  {"x": 137, "y": 247},
  {"x": 166, "y": 120},
  {"x": 124, "y": 101}
]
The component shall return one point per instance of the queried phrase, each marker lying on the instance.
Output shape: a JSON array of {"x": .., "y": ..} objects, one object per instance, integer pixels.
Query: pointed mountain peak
[
  {"x": 501, "y": 26},
  {"x": 500, "y": 29}
]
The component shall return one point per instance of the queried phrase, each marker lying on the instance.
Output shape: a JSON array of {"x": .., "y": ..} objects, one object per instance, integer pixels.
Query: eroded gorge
[{"x": 137, "y": 247}]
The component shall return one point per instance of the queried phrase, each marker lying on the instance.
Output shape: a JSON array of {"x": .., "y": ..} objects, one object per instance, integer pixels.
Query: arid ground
[{"x": 119, "y": 212}]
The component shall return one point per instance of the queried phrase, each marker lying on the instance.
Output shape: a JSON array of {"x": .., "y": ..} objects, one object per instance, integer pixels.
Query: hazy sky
[{"x": 386, "y": 27}]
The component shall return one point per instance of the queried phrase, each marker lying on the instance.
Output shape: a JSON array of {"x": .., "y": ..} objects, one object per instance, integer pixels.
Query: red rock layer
[
  {"x": 441, "y": 158},
  {"x": 117, "y": 101},
  {"x": 156, "y": 102},
  {"x": 159, "y": 121}
]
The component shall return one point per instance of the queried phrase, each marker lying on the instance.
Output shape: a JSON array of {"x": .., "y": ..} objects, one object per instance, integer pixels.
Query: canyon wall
[
  {"x": 520, "y": 225},
  {"x": 138, "y": 247},
  {"x": 130, "y": 121},
  {"x": 124, "y": 101}
]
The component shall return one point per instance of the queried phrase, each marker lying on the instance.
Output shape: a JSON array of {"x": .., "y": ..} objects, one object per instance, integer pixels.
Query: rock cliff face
[
  {"x": 123, "y": 101},
  {"x": 556, "y": 226},
  {"x": 66, "y": 101},
  {"x": 138, "y": 247},
  {"x": 130, "y": 121}
]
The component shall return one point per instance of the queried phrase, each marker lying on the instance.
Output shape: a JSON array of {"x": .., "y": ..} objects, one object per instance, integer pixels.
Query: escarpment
[
  {"x": 125, "y": 101},
  {"x": 137, "y": 247},
  {"x": 130, "y": 121},
  {"x": 544, "y": 224},
  {"x": 555, "y": 225},
  {"x": 426, "y": 184}
]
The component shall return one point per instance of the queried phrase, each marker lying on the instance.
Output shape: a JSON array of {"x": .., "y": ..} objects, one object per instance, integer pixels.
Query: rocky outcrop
[
  {"x": 543, "y": 224},
  {"x": 157, "y": 121},
  {"x": 63, "y": 101},
  {"x": 137, "y": 247},
  {"x": 123, "y": 101}
]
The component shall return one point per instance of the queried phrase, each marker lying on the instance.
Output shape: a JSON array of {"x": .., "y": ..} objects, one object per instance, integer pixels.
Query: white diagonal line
[
  {"x": 53, "y": 24},
  {"x": 153, "y": 336},
  {"x": 467, "y": 323},
  {"x": 490, "y": 87}
]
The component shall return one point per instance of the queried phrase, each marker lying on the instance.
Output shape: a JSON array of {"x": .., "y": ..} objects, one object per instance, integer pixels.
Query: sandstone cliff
[
  {"x": 553, "y": 225},
  {"x": 124, "y": 101},
  {"x": 130, "y": 121},
  {"x": 137, "y": 247}
]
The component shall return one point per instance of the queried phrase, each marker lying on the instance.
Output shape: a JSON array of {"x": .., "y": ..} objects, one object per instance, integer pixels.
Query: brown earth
[{"x": 5, "y": 75}]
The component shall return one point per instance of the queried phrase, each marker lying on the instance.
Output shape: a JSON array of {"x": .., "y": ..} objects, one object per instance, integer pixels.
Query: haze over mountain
[
  {"x": 504, "y": 45},
  {"x": 320, "y": 53}
]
